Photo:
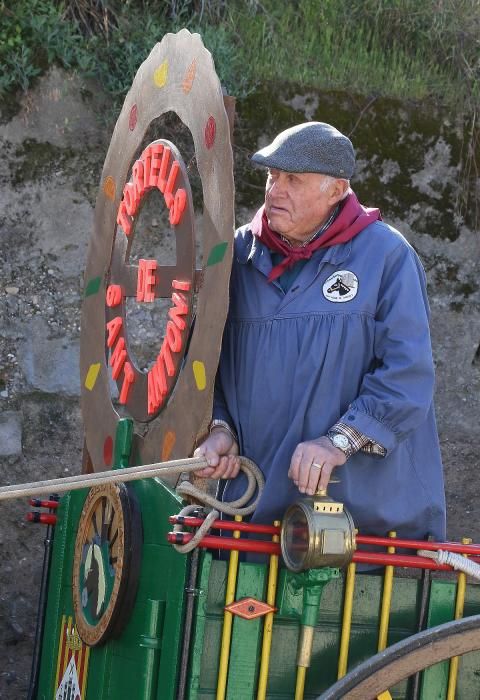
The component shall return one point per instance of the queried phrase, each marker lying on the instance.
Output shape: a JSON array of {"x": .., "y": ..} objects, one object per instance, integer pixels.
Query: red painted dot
[
  {"x": 108, "y": 451},
  {"x": 210, "y": 130},
  {"x": 132, "y": 120}
]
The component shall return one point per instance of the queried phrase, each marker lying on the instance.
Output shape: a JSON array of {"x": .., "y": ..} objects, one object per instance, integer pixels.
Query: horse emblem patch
[{"x": 341, "y": 286}]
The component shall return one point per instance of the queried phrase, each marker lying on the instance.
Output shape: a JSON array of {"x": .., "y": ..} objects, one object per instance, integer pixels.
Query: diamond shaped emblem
[{"x": 249, "y": 608}]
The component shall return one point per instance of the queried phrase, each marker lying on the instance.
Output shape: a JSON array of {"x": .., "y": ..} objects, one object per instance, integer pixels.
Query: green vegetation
[{"x": 410, "y": 49}]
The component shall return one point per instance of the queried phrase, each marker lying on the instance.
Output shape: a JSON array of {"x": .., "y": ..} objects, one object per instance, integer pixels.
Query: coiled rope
[{"x": 256, "y": 482}]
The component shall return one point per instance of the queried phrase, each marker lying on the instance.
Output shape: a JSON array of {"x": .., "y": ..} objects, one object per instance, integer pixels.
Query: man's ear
[{"x": 337, "y": 192}]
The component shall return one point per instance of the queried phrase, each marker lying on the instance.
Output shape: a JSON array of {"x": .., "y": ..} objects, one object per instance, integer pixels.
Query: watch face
[{"x": 341, "y": 442}]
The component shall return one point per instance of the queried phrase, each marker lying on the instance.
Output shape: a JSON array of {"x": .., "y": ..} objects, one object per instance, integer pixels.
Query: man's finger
[
  {"x": 205, "y": 473},
  {"x": 294, "y": 471},
  {"x": 325, "y": 475},
  {"x": 314, "y": 478},
  {"x": 220, "y": 469}
]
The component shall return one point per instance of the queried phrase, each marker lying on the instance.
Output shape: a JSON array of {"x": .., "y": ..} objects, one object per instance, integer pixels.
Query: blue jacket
[{"x": 348, "y": 341}]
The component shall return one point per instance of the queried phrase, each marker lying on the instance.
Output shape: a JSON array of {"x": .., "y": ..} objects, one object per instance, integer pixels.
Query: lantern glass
[{"x": 295, "y": 538}]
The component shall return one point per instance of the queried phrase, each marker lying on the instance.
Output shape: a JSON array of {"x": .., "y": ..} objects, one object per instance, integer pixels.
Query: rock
[
  {"x": 50, "y": 364},
  {"x": 10, "y": 434}
]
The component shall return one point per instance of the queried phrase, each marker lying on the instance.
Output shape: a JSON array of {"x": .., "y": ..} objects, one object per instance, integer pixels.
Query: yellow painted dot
[
  {"x": 109, "y": 187},
  {"x": 168, "y": 445},
  {"x": 161, "y": 74},
  {"x": 92, "y": 375},
  {"x": 199, "y": 374}
]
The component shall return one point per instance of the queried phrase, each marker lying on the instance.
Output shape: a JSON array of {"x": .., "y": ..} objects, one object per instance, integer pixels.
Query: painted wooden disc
[
  {"x": 170, "y": 401},
  {"x": 106, "y": 563}
]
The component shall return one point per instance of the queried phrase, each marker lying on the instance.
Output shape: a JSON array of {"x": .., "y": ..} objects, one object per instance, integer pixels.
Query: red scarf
[{"x": 351, "y": 219}]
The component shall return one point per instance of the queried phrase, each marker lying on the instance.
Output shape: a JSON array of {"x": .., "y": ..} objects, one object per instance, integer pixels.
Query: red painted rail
[
  {"x": 190, "y": 521},
  {"x": 411, "y": 561},
  {"x": 418, "y": 544},
  {"x": 226, "y": 543}
]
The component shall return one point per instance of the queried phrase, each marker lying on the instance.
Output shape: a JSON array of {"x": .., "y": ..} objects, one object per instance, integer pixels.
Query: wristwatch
[
  {"x": 217, "y": 423},
  {"x": 341, "y": 442}
]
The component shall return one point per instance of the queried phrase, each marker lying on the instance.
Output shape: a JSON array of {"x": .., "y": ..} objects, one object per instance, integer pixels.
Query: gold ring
[{"x": 319, "y": 466}]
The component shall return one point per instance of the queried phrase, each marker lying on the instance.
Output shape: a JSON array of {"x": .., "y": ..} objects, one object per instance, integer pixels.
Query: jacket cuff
[
  {"x": 370, "y": 427},
  {"x": 358, "y": 441}
]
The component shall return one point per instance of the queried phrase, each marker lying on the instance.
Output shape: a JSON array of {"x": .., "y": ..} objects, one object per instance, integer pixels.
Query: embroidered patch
[{"x": 341, "y": 286}]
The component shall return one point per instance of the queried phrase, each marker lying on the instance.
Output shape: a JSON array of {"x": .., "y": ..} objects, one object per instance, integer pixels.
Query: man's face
[{"x": 296, "y": 205}]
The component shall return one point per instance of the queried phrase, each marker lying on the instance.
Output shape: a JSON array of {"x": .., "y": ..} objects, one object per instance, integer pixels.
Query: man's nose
[{"x": 277, "y": 188}]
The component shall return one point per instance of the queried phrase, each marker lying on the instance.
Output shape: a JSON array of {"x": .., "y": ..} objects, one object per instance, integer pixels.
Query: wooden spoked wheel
[{"x": 401, "y": 660}]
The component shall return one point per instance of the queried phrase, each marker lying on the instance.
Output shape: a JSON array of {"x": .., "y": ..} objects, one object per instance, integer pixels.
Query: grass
[{"x": 407, "y": 49}]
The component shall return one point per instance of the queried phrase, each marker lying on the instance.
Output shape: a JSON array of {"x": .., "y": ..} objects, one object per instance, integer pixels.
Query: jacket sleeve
[
  {"x": 220, "y": 410},
  {"x": 396, "y": 395}
]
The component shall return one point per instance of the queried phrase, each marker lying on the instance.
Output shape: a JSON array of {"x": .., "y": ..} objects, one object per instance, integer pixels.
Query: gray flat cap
[{"x": 313, "y": 147}]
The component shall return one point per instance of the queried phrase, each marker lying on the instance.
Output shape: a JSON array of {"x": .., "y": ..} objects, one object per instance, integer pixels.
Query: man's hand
[
  {"x": 221, "y": 452},
  {"x": 312, "y": 464}
]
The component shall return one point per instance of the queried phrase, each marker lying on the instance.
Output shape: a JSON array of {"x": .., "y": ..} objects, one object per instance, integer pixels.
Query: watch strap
[
  {"x": 347, "y": 451},
  {"x": 217, "y": 423}
]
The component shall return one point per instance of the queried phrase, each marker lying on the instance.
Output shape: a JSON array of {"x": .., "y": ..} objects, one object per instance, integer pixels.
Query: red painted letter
[
  {"x": 179, "y": 309},
  {"x": 173, "y": 337},
  {"x": 118, "y": 357},
  {"x": 131, "y": 199},
  {"x": 138, "y": 180},
  {"x": 123, "y": 219},
  {"x": 156, "y": 151},
  {"x": 114, "y": 295},
  {"x": 146, "y": 280},
  {"x": 162, "y": 176},
  {"x": 166, "y": 355},
  {"x": 128, "y": 380},
  {"x": 178, "y": 207},
  {"x": 113, "y": 328},
  {"x": 157, "y": 385},
  {"x": 171, "y": 184}
]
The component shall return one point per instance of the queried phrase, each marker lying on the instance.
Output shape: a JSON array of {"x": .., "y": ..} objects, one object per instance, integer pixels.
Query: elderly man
[{"x": 326, "y": 361}]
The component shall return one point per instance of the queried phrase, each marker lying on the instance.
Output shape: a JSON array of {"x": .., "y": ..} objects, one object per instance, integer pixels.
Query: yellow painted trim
[
  {"x": 300, "y": 684},
  {"x": 268, "y": 624},
  {"x": 459, "y": 606},
  {"x": 386, "y": 601},
  {"x": 385, "y": 611},
  {"x": 346, "y": 620},
  {"x": 227, "y": 620},
  {"x": 86, "y": 652}
]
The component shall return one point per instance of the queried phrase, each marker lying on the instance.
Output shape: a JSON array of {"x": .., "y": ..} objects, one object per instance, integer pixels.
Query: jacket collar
[{"x": 256, "y": 253}]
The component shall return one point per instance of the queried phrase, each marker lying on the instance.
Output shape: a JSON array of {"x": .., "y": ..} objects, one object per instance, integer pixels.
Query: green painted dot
[
  {"x": 93, "y": 286},
  {"x": 217, "y": 254}
]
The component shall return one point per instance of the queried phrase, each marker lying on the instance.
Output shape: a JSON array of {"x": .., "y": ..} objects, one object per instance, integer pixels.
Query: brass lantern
[{"x": 317, "y": 532}]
